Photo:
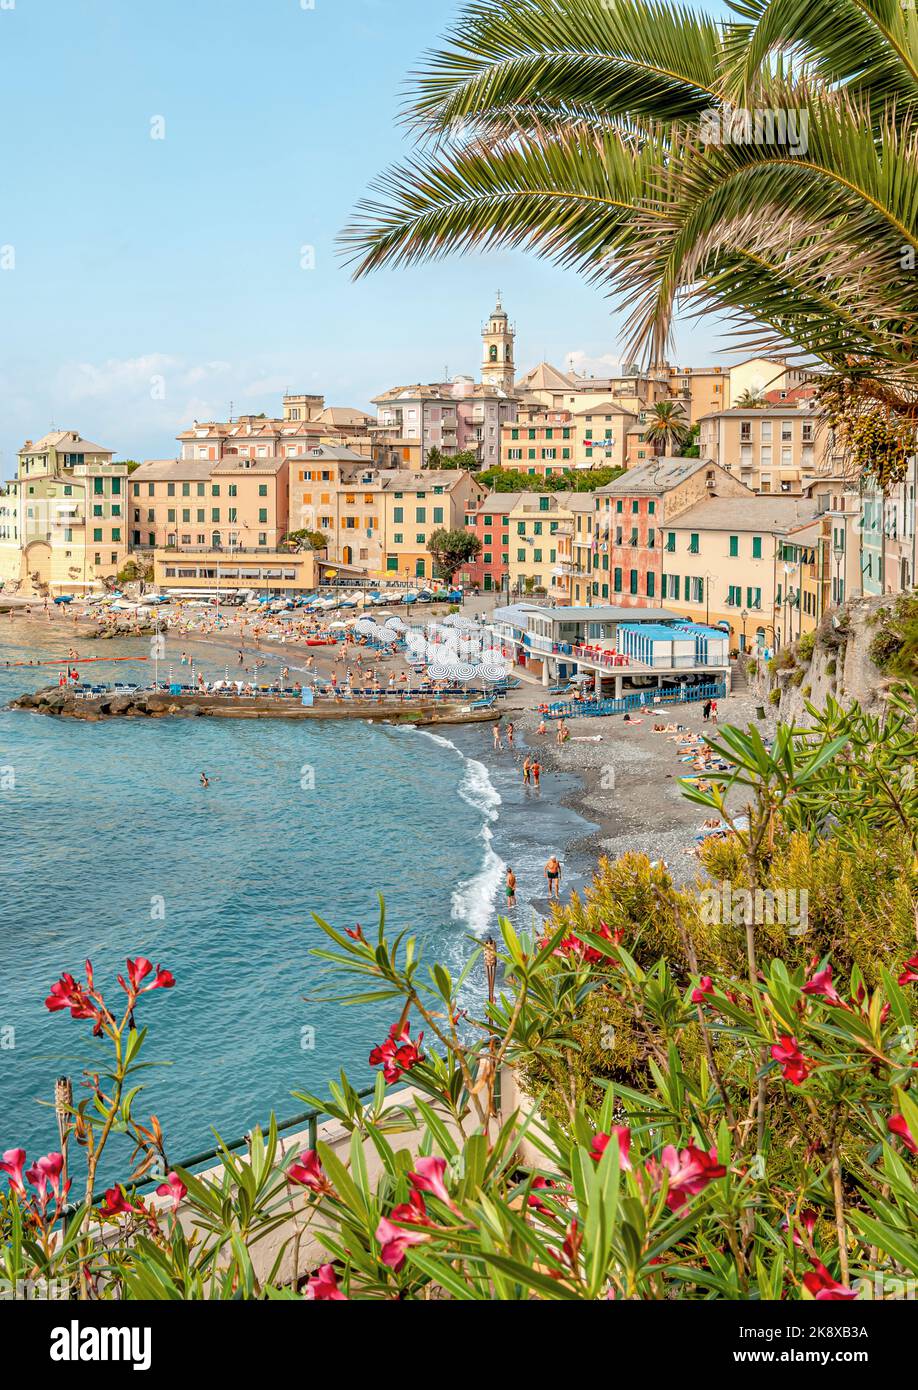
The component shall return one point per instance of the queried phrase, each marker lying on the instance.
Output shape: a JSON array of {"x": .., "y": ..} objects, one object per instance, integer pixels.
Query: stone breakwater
[{"x": 157, "y": 705}]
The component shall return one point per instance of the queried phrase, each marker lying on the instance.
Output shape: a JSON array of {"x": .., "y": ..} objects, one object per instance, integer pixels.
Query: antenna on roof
[{"x": 231, "y": 412}]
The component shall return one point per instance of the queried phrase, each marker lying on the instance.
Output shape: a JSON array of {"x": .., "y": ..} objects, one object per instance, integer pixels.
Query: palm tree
[
  {"x": 750, "y": 400},
  {"x": 667, "y": 428},
  {"x": 766, "y": 167}
]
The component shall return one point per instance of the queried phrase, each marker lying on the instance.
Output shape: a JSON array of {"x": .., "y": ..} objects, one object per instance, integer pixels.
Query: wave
[{"x": 474, "y": 899}]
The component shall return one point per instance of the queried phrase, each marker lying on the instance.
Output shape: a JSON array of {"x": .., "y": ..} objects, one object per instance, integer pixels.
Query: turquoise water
[{"x": 109, "y": 847}]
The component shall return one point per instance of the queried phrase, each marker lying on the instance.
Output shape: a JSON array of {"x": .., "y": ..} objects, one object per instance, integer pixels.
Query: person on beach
[
  {"x": 510, "y": 734},
  {"x": 498, "y": 745},
  {"x": 553, "y": 875},
  {"x": 511, "y": 888},
  {"x": 542, "y": 729},
  {"x": 527, "y": 769},
  {"x": 536, "y": 771},
  {"x": 714, "y": 711},
  {"x": 706, "y": 711}
]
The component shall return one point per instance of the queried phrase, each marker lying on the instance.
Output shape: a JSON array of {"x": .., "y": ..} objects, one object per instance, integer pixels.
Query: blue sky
[{"x": 154, "y": 281}]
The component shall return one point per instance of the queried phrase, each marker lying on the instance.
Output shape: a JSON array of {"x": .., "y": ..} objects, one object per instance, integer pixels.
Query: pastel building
[
  {"x": 489, "y": 519},
  {"x": 627, "y": 560},
  {"x": 63, "y": 526},
  {"x": 773, "y": 449},
  {"x": 414, "y": 506}
]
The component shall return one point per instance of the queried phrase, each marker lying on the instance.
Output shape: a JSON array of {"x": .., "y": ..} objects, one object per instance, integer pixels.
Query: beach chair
[{"x": 487, "y": 702}]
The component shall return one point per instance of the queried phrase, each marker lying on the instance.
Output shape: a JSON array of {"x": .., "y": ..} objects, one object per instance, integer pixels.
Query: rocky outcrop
[
  {"x": 858, "y": 653},
  {"x": 65, "y": 704}
]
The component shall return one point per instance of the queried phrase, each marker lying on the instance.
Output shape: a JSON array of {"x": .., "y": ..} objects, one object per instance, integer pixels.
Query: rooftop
[
  {"x": 757, "y": 512},
  {"x": 657, "y": 475}
]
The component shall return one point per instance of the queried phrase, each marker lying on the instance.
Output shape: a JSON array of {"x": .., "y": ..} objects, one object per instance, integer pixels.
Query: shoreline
[{"x": 626, "y": 784}]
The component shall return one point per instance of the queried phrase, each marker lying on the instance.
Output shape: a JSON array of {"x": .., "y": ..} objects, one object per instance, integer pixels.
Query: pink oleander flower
[
  {"x": 45, "y": 1174},
  {"x": 795, "y": 1068},
  {"x": 138, "y": 970},
  {"x": 823, "y": 1287},
  {"x": 539, "y": 1183},
  {"x": 323, "y": 1287},
  {"x": 601, "y": 1141},
  {"x": 910, "y": 972},
  {"x": 703, "y": 990},
  {"x": 395, "y": 1242},
  {"x": 68, "y": 993},
  {"x": 428, "y": 1177},
  {"x": 896, "y": 1124},
  {"x": 398, "y": 1053},
  {"x": 115, "y": 1203},
  {"x": 822, "y": 987},
  {"x": 12, "y": 1165},
  {"x": 807, "y": 1220},
  {"x": 411, "y": 1213},
  {"x": 307, "y": 1172},
  {"x": 689, "y": 1171},
  {"x": 173, "y": 1187}
]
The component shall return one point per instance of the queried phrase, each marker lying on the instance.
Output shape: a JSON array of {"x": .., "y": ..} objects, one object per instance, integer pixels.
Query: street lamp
[{"x": 744, "y": 615}]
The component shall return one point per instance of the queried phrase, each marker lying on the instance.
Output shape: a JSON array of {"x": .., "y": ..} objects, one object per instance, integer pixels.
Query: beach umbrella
[
  {"x": 366, "y": 626},
  {"x": 492, "y": 670}
]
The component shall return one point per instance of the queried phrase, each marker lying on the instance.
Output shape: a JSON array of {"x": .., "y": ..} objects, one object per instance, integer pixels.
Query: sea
[{"x": 111, "y": 848}]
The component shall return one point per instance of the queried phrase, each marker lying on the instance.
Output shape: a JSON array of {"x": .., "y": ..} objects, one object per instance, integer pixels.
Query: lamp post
[
  {"x": 744, "y": 615},
  {"x": 838, "y": 554}
]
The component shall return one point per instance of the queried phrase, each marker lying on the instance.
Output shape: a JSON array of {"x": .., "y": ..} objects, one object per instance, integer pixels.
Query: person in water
[
  {"x": 536, "y": 771},
  {"x": 553, "y": 875},
  {"x": 511, "y": 888},
  {"x": 527, "y": 769},
  {"x": 510, "y": 735},
  {"x": 205, "y": 780}
]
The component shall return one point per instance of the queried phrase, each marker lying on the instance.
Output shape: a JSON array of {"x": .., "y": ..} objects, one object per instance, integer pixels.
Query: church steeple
[{"x": 497, "y": 365}]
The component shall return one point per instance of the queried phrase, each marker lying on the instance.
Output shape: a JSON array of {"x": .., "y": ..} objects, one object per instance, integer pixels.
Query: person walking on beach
[
  {"x": 553, "y": 875},
  {"x": 511, "y": 888},
  {"x": 527, "y": 769},
  {"x": 714, "y": 711},
  {"x": 498, "y": 745},
  {"x": 706, "y": 711},
  {"x": 536, "y": 771}
]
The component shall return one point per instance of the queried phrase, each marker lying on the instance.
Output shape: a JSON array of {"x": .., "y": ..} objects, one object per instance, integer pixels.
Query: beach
[{"x": 620, "y": 777}]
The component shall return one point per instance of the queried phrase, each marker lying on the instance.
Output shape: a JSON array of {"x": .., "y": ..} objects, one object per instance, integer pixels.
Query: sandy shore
[
  {"x": 629, "y": 777},
  {"x": 627, "y": 774}
]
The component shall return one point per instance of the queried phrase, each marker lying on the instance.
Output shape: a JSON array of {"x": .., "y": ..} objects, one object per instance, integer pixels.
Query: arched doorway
[
  {"x": 347, "y": 555},
  {"x": 36, "y": 567}
]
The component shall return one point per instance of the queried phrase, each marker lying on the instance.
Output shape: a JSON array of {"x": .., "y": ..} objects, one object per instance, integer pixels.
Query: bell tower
[{"x": 497, "y": 365}]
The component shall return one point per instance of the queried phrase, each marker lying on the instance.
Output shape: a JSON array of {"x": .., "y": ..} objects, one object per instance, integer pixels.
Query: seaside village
[{"x": 652, "y": 529}]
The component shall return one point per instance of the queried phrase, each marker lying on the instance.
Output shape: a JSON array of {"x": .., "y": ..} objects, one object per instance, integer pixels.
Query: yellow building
[
  {"x": 774, "y": 449},
  {"x": 539, "y": 537},
  {"x": 724, "y": 562},
  {"x": 209, "y": 571},
  {"x": 414, "y": 506},
  {"x": 339, "y": 492},
  {"x": 64, "y": 525}
]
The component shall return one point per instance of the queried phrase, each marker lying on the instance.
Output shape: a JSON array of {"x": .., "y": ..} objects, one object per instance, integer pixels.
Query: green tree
[
  {"x": 452, "y": 549},
  {"x": 667, "y": 427},
  {"x": 307, "y": 540},
  {"x": 763, "y": 166}
]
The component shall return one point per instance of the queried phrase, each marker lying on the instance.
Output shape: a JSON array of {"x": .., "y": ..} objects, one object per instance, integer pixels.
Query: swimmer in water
[{"x": 205, "y": 780}]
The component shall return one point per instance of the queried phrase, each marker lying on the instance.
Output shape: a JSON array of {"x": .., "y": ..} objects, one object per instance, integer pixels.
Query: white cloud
[{"x": 586, "y": 364}]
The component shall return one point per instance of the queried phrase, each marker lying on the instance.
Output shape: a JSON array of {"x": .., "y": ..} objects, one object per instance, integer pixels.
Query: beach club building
[{"x": 621, "y": 650}]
